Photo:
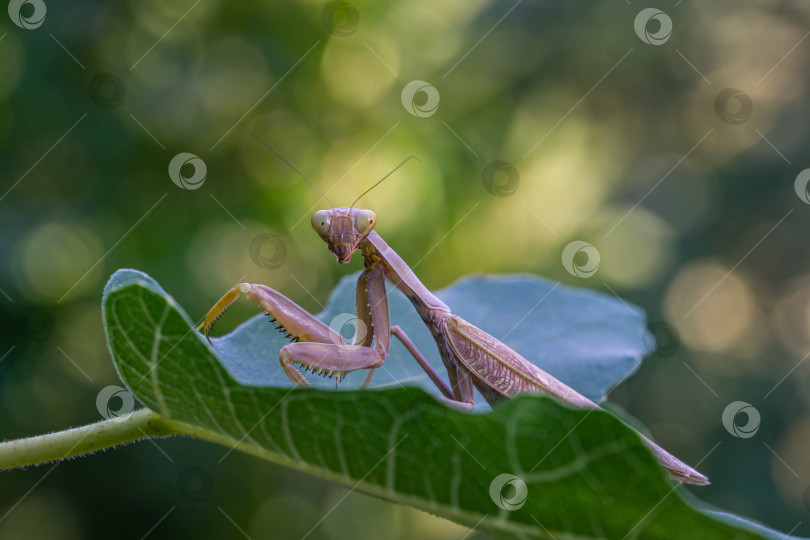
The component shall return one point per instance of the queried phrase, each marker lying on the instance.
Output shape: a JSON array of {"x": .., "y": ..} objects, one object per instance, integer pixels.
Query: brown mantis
[{"x": 472, "y": 358}]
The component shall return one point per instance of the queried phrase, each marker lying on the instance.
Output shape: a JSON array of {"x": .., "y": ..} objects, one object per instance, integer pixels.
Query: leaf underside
[{"x": 587, "y": 474}]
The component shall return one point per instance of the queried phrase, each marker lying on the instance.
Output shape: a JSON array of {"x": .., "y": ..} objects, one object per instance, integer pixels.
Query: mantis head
[{"x": 343, "y": 229}]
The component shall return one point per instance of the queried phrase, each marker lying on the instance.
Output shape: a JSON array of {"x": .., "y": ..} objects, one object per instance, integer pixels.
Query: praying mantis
[{"x": 471, "y": 357}]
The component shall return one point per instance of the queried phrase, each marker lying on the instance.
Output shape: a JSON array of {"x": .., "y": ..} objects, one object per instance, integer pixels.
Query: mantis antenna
[
  {"x": 386, "y": 176},
  {"x": 290, "y": 165}
]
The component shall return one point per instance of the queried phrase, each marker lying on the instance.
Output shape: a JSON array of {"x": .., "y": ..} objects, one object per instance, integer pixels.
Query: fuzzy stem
[{"x": 140, "y": 424}]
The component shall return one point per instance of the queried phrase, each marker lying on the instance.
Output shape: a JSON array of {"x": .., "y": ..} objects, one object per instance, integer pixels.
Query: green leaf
[{"x": 586, "y": 474}]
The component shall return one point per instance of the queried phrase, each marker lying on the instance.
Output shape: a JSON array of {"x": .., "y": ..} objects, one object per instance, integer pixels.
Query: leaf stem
[{"x": 59, "y": 445}]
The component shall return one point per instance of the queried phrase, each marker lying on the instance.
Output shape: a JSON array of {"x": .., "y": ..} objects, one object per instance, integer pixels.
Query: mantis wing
[
  {"x": 503, "y": 369},
  {"x": 498, "y": 369}
]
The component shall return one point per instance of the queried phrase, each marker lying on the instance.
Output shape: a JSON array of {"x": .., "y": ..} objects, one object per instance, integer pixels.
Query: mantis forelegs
[
  {"x": 290, "y": 317},
  {"x": 323, "y": 350}
]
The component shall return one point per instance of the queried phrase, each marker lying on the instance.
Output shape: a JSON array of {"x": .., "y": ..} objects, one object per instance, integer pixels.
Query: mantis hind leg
[
  {"x": 461, "y": 380},
  {"x": 400, "y": 334}
]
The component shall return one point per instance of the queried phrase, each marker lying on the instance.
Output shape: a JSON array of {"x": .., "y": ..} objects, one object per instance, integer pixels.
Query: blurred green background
[{"x": 618, "y": 135}]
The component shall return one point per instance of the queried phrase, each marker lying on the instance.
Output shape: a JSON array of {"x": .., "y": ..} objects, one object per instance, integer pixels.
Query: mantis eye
[
  {"x": 365, "y": 221},
  {"x": 321, "y": 221}
]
